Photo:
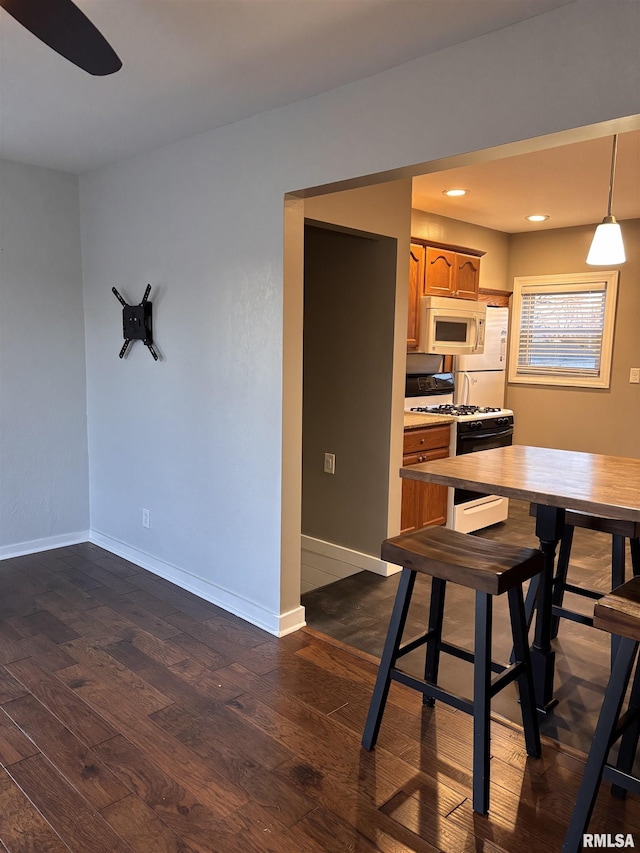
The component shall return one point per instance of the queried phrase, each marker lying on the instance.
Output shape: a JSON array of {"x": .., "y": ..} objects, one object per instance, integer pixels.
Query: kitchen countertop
[{"x": 413, "y": 420}]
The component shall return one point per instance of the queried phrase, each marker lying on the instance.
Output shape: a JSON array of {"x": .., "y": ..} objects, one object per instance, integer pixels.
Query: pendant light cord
[{"x": 614, "y": 154}]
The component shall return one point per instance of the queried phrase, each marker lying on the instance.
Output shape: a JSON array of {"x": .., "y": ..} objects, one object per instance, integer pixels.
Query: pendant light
[{"x": 607, "y": 247}]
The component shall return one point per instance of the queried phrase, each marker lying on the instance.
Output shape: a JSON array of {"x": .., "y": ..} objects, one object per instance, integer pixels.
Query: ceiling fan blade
[{"x": 62, "y": 26}]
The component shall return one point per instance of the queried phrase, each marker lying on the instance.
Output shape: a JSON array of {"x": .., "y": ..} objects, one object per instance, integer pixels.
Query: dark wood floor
[
  {"x": 356, "y": 611},
  {"x": 135, "y": 717}
]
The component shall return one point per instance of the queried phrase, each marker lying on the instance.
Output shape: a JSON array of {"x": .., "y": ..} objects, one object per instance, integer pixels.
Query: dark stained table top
[{"x": 607, "y": 486}]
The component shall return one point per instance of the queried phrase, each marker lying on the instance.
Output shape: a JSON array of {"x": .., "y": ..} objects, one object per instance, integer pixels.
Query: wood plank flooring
[{"x": 137, "y": 718}]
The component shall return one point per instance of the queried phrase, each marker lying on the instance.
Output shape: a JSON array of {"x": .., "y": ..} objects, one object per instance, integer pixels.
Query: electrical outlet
[
  {"x": 634, "y": 375},
  {"x": 145, "y": 518},
  {"x": 329, "y": 463}
]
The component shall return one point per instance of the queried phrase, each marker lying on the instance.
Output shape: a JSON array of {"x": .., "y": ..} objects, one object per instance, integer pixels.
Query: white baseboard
[
  {"x": 20, "y": 549},
  {"x": 324, "y": 562},
  {"x": 277, "y": 624}
]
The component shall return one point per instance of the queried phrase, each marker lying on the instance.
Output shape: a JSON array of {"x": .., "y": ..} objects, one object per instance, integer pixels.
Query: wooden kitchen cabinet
[
  {"x": 423, "y": 504},
  {"x": 417, "y": 255},
  {"x": 451, "y": 272},
  {"x": 440, "y": 268},
  {"x": 467, "y": 276}
]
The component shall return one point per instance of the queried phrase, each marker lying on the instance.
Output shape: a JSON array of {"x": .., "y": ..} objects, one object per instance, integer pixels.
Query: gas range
[
  {"x": 434, "y": 395},
  {"x": 474, "y": 428},
  {"x": 464, "y": 413}
]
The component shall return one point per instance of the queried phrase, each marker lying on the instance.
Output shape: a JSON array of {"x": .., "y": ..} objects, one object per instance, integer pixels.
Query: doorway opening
[{"x": 349, "y": 307}]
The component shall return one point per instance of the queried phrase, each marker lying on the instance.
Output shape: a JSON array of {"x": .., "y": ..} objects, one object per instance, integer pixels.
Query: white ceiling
[
  {"x": 570, "y": 184},
  {"x": 193, "y": 65}
]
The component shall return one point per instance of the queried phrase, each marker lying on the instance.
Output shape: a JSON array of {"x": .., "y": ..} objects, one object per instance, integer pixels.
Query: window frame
[{"x": 565, "y": 283}]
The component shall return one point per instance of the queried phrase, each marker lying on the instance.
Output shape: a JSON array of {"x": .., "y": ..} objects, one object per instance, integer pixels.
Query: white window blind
[{"x": 562, "y": 332}]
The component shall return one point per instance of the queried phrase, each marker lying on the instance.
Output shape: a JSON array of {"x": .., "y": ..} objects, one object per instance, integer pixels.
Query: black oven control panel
[{"x": 485, "y": 424}]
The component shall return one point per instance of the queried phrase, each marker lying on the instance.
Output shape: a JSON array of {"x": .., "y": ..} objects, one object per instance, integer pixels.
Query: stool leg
[
  {"x": 617, "y": 579},
  {"x": 482, "y": 702},
  {"x": 560, "y": 580},
  {"x": 525, "y": 681},
  {"x": 607, "y": 720},
  {"x": 530, "y": 601},
  {"x": 529, "y": 607},
  {"x": 629, "y": 742},
  {"x": 436, "y": 616},
  {"x": 617, "y": 560},
  {"x": 389, "y": 657},
  {"x": 634, "y": 547}
]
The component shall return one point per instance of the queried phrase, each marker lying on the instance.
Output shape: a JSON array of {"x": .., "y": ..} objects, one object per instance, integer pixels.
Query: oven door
[{"x": 470, "y": 442}]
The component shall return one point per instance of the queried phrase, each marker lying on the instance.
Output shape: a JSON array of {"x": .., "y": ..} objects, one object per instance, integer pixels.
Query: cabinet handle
[{"x": 422, "y": 441}]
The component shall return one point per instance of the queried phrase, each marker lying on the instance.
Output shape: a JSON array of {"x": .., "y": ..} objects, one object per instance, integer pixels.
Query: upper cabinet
[
  {"x": 416, "y": 288},
  {"x": 451, "y": 271},
  {"x": 436, "y": 269},
  {"x": 467, "y": 276}
]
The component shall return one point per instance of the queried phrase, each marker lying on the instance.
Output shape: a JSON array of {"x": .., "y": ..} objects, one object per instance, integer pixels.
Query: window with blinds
[{"x": 562, "y": 330}]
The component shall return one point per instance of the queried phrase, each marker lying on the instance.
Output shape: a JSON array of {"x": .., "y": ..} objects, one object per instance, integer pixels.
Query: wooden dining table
[{"x": 554, "y": 480}]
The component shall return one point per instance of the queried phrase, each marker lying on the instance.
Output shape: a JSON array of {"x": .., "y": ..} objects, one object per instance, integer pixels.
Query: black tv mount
[{"x": 136, "y": 323}]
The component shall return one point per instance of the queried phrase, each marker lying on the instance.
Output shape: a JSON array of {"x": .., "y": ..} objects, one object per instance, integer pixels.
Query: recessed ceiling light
[
  {"x": 537, "y": 217},
  {"x": 454, "y": 193}
]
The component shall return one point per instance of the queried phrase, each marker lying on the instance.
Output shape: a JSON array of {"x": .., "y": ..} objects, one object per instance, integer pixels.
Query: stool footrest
[
  {"x": 412, "y": 645},
  {"x": 506, "y": 674},
  {"x": 432, "y": 690},
  {"x": 469, "y": 657},
  {"x": 572, "y": 615},
  {"x": 617, "y": 777},
  {"x": 581, "y": 590},
  {"x": 509, "y": 674},
  {"x": 624, "y": 721}
]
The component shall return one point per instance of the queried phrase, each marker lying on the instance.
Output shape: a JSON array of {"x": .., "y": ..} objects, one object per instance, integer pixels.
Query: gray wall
[
  {"x": 349, "y": 306},
  {"x": 43, "y": 439}
]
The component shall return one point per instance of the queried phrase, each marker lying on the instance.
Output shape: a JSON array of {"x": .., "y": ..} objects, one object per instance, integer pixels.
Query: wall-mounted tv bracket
[{"x": 136, "y": 323}]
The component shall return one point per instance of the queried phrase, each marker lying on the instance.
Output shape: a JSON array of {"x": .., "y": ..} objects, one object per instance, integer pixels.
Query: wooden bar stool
[
  {"x": 619, "y": 531},
  {"x": 490, "y": 568},
  {"x": 619, "y": 614}
]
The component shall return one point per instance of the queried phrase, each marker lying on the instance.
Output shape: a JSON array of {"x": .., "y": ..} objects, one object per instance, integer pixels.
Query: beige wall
[
  {"x": 591, "y": 420},
  {"x": 493, "y": 266},
  {"x": 383, "y": 209}
]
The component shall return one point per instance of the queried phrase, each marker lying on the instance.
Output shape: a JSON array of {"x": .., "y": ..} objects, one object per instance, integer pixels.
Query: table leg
[{"x": 549, "y": 529}]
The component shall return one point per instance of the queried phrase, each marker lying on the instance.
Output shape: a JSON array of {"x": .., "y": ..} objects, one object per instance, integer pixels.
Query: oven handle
[{"x": 474, "y": 436}]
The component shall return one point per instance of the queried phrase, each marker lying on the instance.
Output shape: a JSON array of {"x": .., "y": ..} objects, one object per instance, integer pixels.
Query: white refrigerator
[{"x": 480, "y": 379}]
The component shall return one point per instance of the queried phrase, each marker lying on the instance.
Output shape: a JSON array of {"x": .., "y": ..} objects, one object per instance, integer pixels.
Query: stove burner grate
[{"x": 450, "y": 409}]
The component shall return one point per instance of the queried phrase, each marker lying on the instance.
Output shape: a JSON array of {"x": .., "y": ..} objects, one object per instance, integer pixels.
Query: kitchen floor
[{"x": 356, "y": 611}]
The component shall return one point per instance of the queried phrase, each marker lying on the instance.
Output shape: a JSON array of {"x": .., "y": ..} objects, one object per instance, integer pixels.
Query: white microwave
[{"x": 451, "y": 326}]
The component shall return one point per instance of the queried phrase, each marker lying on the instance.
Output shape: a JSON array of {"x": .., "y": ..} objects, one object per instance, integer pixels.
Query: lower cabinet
[{"x": 423, "y": 504}]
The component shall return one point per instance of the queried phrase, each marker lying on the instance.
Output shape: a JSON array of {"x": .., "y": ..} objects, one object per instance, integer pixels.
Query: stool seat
[
  {"x": 489, "y": 568},
  {"x": 470, "y": 561},
  {"x": 618, "y": 612}
]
